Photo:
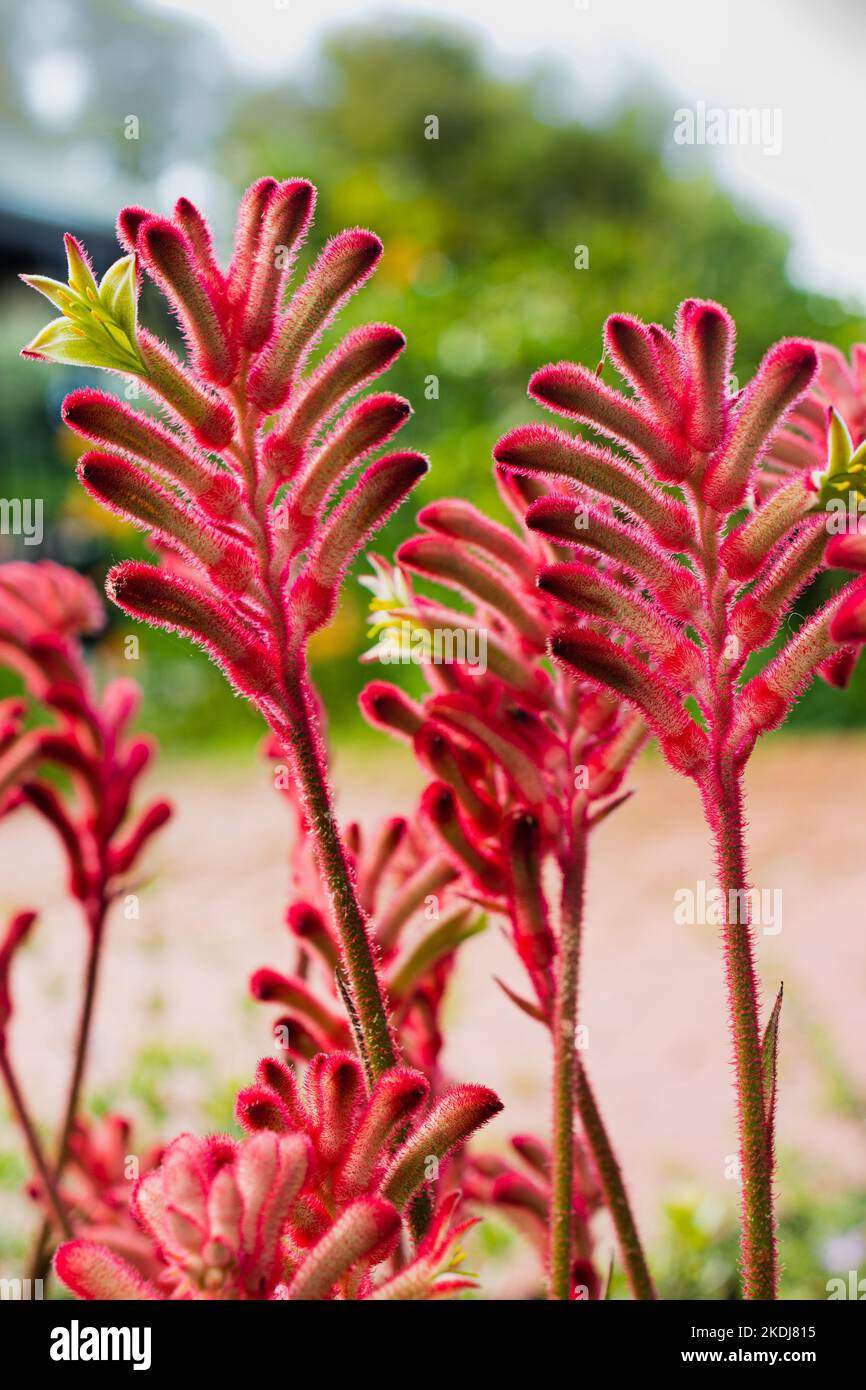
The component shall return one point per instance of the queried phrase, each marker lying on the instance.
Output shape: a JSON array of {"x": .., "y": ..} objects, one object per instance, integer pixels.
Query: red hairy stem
[{"x": 564, "y": 1060}]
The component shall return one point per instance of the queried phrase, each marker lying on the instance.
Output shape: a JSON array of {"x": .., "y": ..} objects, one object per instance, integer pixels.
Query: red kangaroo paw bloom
[
  {"x": 300, "y": 1213},
  {"x": 240, "y": 487},
  {"x": 664, "y": 621},
  {"x": 240, "y": 573}
]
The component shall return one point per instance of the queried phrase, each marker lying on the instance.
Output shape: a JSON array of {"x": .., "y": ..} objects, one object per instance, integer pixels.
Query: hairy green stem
[
  {"x": 82, "y": 1040},
  {"x": 613, "y": 1186}
]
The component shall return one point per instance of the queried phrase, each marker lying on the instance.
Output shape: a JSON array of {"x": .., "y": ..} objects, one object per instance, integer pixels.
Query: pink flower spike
[
  {"x": 544, "y": 452},
  {"x": 194, "y": 226},
  {"x": 175, "y": 604},
  {"x": 104, "y": 419},
  {"x": 849, "y": 623},
  {"x": 259, "y": 1108},
  {"x": 361, "y": 357},
  {"x": 396, "y": 1096},
  {"x": 129, "y": 223},
  {"x": 847, "y": 552},
  {"x": 378, "y": 493},
  {"x": 341, "y": 1098},
  {"x": 251, "y": 211},
  {"x": 209, "y": 418},
  {"x": 456, "y": 1115},
  {"x": 129, "y": 492},
  {"x": 681, "y": 739},
  {"x": 92, "y": 1271},
  {"x": 387, "y": 707}
]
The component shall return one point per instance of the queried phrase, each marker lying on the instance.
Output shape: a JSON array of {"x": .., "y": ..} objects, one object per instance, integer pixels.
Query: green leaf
[
  {"x": 459, "y": 926},
  {"x": 769, "y": 1048},
  {"x": 527, "y": 1005}
]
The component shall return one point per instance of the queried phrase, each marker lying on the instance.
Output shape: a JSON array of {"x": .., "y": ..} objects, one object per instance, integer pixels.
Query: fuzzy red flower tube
[
  {"x": 240, "y": 480},
  {"x": 673, "y": 581}
]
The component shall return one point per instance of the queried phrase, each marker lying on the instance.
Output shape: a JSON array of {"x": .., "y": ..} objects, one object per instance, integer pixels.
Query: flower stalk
[
  {"x": 523, "y": 765},
  {"x": 255, "y": 547},
  {"x": 680, "y": 575}
]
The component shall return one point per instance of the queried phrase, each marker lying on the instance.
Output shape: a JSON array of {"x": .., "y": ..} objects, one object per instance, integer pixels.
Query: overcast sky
[{"x": 804, "y": 60}]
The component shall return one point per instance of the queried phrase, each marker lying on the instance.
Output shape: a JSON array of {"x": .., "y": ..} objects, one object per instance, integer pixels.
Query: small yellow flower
[{"x": 391, "y": 607}]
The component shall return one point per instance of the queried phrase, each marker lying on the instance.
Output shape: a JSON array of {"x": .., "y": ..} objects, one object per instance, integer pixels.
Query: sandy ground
[{"x": 652, "y": 998}]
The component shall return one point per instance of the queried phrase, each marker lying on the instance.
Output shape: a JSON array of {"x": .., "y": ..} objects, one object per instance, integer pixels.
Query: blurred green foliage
[
  {"x": 482, "y": 227},
  {"x": 820, "y": 1238}
]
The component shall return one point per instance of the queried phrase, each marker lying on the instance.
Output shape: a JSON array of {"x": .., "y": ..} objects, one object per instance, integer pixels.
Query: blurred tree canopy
[{"x": 511, "y": 230}]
